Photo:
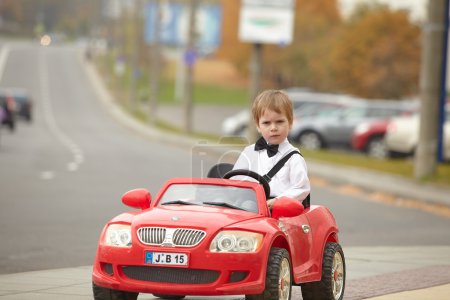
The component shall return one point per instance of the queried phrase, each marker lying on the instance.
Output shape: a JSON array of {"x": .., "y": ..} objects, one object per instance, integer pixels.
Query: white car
[
  {"x": 236, "y": 124},
  {"x": 402, "y": 134}
]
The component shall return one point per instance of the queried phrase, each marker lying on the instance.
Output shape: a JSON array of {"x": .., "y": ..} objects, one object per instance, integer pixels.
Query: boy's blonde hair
[{"x": 275, "y": 100}]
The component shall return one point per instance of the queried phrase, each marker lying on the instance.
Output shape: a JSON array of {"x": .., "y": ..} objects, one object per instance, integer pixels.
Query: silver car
[{"x": 335, "y": 126}]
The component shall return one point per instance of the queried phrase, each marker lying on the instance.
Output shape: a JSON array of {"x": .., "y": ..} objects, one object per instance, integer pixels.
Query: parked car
[
  {"x": 369, "y": 136},
  {"x": 336, "y": 126},
  {"x": 8, "y": 105},
  {"x": 2, "y": 116},
  {"x": 236, "y": 124},
  {"x": 305, "y": 103},
  {"x": 402, "y": 135},
  {"x": 216, "y": 236},
  {"x": 23, "y": 101}
]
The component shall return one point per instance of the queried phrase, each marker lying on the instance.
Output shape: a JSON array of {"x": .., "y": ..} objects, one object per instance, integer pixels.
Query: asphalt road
[{"x": 62, "y": 176}]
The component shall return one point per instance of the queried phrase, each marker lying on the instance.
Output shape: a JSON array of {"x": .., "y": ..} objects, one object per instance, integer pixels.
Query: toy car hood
[{"x": 187, "y": 216}]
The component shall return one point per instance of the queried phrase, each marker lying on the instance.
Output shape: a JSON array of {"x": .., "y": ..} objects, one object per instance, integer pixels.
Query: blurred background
[
  {"x": 165, "y": 61},
  {"x": 368, "y": 80}
]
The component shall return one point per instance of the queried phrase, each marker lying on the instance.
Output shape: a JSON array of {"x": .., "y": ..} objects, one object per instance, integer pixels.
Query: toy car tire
[
  {"x": 171, "y": 297},
  {"x": 332, "y": 284},
  {"x": 101, "y": 293},
  {"x": 278, "y": 277}
]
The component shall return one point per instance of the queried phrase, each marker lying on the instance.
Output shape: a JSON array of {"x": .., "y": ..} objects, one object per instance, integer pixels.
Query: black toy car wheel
[
  {"x": 332, "y": 285},
  {"x": 101, "y": 293},
  {"x": 171, "y": 297},
  {"x": 278, "y": 277}
]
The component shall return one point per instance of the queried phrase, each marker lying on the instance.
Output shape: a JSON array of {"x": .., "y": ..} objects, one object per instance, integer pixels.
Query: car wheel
[
  {"x": 278, "y": 277},
  {"x": 101, "y": 293},
  {"x": 171, "y": 297},
  {"x": 241, "y": 131},
  {"x": 332, "y": 284},
  {"x": 377, "y": 148},
  {"x": 11, "y": 126},
  {"x": 310, "y": 140}
]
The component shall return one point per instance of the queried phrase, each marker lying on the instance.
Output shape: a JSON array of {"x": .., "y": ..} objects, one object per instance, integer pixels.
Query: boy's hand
[{"x": 271, "y": 202}]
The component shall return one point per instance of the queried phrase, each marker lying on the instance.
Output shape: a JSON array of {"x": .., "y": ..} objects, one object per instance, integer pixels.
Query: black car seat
[{"x": 217, "y": 171}]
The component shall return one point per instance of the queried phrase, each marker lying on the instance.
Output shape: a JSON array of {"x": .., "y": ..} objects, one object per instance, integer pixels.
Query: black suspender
[{"x": 278, "y": 166}]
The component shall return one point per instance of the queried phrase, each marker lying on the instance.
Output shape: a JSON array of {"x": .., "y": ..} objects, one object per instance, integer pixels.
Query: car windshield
[{"x": 210, "y": 195}]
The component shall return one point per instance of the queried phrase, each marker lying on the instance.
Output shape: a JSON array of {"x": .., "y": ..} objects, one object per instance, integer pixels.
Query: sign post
[
  {"x": 267, "y": 21},
  {"x": 264, "y": 22}
]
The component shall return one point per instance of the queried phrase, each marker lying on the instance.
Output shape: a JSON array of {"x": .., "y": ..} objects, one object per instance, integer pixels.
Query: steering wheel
[{"x": 251, "y": 174}]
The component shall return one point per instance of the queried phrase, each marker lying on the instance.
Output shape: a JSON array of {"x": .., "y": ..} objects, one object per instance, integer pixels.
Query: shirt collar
[{"x": 284, "y": 146}]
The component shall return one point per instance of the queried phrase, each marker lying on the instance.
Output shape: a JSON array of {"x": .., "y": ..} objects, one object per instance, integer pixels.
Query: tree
[
  {"x": 377, "y": 54},
  {"x": 305, "y": 61},
  {"x": 231, "y": 48},
  {"x": 73, "y": 17}
]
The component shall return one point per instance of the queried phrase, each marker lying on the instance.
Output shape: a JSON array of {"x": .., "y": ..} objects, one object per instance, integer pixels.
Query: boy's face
[{"x": 274, "y": 127}]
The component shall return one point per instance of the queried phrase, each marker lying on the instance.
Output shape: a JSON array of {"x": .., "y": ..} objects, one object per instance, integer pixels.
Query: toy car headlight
[
  {"x": 236, "y": 241},
  {"x": 118, "y": 235}
]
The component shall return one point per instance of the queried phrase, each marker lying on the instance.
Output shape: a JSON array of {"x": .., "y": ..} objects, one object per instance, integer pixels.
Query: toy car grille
[
  {"x": 181, "y": 237},
  {"x": 170, "y": 275}
]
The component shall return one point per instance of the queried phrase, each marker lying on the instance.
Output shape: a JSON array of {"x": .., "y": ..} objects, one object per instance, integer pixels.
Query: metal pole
[
  {"x": 443, "y": 98},
  {"x": 189, "y": 60},
  {"x": 430, "y": 86},
  {"x": 155, "y": 65},
  {"x": 255, "y": 86},
  {"x": 136, "y": 54}
]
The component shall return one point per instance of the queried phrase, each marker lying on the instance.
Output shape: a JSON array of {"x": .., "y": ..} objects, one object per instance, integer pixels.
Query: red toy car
[{"x": 215, "y": 236}]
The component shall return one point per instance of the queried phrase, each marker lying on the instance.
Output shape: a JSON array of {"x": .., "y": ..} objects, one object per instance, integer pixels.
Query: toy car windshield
[{"x": 210, "y": 195}]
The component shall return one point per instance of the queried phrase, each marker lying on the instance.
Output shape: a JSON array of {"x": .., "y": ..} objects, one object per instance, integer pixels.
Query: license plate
[{"x": 166, "y": 258}]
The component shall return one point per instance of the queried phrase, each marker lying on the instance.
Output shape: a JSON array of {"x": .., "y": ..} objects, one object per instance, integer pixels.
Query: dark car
[
  {"x": 23, "y": 106},
  {"x": 2, "y": 116},
  {"x": 8, "y": 105}
]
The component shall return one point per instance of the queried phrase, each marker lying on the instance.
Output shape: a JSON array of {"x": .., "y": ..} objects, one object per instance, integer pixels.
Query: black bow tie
[{"x": 261, "y": 144}]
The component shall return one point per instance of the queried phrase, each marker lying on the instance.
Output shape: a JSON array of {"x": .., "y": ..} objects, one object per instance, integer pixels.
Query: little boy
[{"x": 272, "y": 113}]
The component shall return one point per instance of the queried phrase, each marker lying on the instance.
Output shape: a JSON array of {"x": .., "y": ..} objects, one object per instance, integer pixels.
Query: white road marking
[
  {"x": 61, "y": 136},
  {"x": 3, "y": 58},
  {"x": 47, "y": 175},
  {"x": 72, "y": 166}
]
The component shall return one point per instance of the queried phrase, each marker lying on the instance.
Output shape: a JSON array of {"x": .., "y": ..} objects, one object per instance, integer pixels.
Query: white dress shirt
[{"x": 291, "y": 181}]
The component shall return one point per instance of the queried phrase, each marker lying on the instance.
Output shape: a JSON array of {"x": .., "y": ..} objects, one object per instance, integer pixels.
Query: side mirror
[
  {"x": 286, "y": 207},
  {"x": 138, "y": 198}
]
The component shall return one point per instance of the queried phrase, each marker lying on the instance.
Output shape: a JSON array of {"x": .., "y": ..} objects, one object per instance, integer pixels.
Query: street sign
[
  {"x": 174, "y": 25},
  {"x": 267, "y": 21}
]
